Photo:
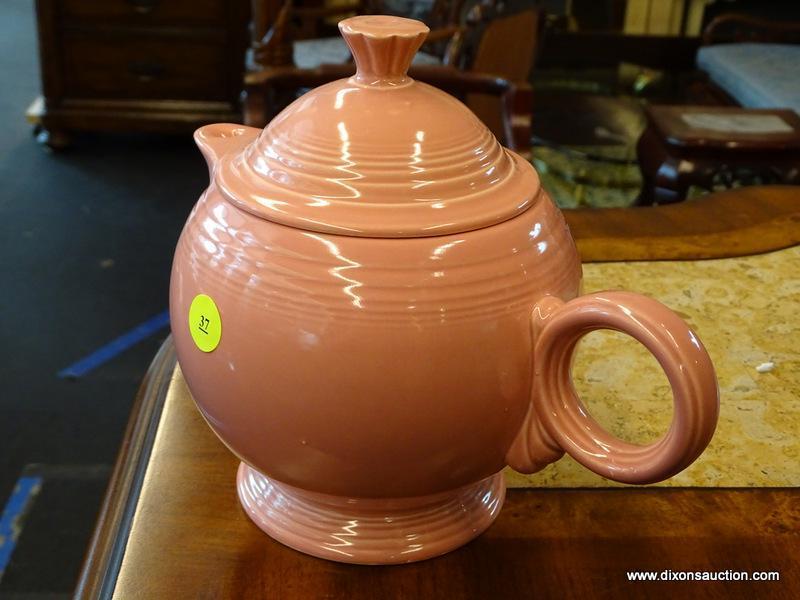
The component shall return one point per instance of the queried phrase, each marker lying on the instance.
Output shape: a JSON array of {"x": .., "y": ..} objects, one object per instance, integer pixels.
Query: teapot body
[
  {"x": 375, "y": 307},
  {"x": 367, "y": 367}
]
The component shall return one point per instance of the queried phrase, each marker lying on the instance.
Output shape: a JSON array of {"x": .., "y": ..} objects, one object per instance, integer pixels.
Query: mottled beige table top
[{"x": 747, "y": 312}]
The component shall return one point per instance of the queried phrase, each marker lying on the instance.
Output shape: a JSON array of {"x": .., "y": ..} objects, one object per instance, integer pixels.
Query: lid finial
[{"x": 383, "y": 47}]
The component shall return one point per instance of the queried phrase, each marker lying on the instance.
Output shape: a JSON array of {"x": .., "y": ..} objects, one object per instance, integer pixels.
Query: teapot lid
[{"x": 379, "y": 154}]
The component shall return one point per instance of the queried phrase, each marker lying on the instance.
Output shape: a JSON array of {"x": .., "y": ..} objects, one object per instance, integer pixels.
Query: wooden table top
[
  {"x": 726, "y": 127},
  {"x": 171, "y": 525}
]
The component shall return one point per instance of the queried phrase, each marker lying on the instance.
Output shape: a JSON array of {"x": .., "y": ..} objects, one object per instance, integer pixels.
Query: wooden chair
[
  {"x": 507, "y": 47},
  {"x": 275, "y": 29},
  {"x": 489, "y": 45},
  {"x": 735, "y": 27}
]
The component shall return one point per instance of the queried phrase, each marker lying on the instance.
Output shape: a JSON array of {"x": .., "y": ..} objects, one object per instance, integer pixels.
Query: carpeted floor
[{"x": 86, "y": 242}]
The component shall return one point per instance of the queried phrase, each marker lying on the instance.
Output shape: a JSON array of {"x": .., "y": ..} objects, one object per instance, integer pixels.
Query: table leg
[
  {"x": 790, "y": 170},
  {"x": 662, "y": 179}
]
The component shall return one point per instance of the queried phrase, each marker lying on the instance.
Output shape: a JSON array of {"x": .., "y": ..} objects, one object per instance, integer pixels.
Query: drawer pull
[
  {"x": 146, "y": 71},
  {"x": 143, "y": 7}
]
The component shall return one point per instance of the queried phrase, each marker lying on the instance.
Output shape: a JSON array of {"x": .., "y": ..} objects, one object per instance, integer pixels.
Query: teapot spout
[{"x": 218, "y": 139}]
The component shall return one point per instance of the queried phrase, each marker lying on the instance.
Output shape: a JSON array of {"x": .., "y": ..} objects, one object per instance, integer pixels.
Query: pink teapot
[{"x": 375, "y": 306}]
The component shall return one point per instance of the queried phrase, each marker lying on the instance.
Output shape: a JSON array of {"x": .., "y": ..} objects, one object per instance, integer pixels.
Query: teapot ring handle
[{"x": 558, "y": 422}]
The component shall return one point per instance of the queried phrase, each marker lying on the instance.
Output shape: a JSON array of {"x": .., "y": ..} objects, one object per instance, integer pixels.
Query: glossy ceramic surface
[
  {"x": 419, "y": 527},
  {"x": 399, "y": 304},
  {"x": 376, "y": 155}
]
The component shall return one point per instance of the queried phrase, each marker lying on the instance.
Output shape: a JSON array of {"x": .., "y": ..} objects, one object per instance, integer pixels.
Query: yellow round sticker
[{"x": 204, "y": 323}]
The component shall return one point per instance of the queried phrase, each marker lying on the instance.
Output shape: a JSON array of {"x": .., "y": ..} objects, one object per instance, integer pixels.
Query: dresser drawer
[
  {"x": 154, "y": 68},
  {"x": 143, "y": 12}
]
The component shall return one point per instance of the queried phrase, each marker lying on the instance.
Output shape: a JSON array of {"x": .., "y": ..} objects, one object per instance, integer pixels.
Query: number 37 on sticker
[{"x": 205, "y": 325}]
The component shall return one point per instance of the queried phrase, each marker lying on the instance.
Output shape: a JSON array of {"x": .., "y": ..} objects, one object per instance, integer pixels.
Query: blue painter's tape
[
  {"x": 115, "y": 347},
  {"x": 23, "y": 492}
]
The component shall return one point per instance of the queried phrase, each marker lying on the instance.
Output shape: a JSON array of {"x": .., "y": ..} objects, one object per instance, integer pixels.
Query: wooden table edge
[
  {"x": 103, "y": 559},
  {"x": 727, "y": 224}
]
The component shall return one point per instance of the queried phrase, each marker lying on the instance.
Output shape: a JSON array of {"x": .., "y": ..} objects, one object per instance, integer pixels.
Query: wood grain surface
[
  {"x": 171, "y": 525},
  {"x": 733, "y": 223},
  {"x": 139, "y": 65},
  {"x": 104, "y": 556}
]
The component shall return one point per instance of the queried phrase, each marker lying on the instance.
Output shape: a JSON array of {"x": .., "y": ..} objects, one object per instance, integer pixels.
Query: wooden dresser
[{"x": 139, "y": 65}]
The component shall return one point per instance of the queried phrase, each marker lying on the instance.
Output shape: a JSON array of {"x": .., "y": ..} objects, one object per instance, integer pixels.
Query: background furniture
[
  {"x": 280, "y": 27},
  {"x": 171, "y": 525},
  {"x": 749, "y": 61},
  {"x": 677, "y": 150},
  {"x": 507, "y": 46},
  {"x": 138, "y": 65},
  {"x": 494, "y": 53}
]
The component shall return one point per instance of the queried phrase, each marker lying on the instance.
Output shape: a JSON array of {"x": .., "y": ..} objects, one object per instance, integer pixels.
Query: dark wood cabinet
[{"x": 139, "y": 65}]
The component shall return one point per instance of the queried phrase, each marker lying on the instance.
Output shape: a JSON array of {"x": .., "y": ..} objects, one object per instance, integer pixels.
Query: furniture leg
[{"x": 55, "y": 139}]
